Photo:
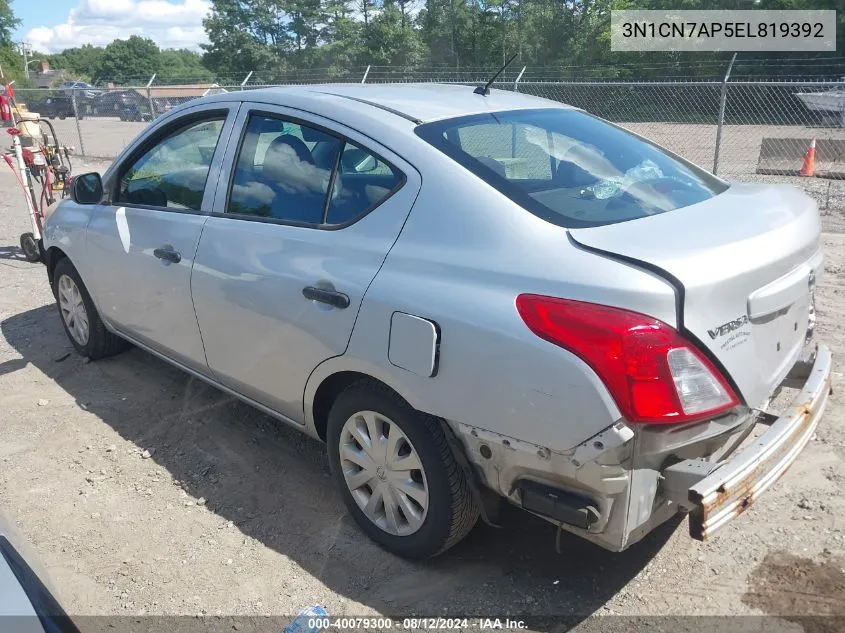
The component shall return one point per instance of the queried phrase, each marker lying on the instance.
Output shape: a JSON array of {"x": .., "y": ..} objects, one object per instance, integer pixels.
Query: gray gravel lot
[{"x": 145, "y": 491}]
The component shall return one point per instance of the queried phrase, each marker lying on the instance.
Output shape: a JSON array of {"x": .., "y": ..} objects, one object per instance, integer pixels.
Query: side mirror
[{"x": 87, "y": 188}]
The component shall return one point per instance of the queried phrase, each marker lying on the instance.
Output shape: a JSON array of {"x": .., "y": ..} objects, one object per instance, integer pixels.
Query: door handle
[
  {"x": 168, "y": 254},
  {"x": 331, "y": 297}
]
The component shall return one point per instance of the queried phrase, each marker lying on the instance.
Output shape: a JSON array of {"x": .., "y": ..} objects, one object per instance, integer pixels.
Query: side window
[
  {"x": 280, "y": 173},
  {"x": 174, "y": 171},
  {"x": 363, "y": 182}
]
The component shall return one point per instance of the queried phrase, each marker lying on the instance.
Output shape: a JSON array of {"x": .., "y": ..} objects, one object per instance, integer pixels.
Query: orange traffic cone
[{"x": 809, "y": 168}]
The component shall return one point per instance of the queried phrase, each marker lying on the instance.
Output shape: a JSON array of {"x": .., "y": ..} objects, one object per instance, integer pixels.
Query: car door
[
  {"x": 304, "y": 216},
  {"x": 141, "y": 243}
]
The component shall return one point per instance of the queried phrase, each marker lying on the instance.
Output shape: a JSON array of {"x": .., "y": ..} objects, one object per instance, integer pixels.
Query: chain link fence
[{"x": 748, "y": 131}]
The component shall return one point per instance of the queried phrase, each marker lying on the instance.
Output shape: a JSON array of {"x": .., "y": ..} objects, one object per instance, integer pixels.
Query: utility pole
[{"x": 26, "y": 47}]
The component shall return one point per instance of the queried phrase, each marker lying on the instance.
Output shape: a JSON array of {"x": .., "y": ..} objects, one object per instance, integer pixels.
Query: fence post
[
  {"x": 722, "y": 101},
  {"x": 364, "y": 78},
  {"x": 76, "y": 116},
  {"x": 246, "y": 81},
  {"x": 150, "y": 97},
  {"x": 518, "y": 77}
]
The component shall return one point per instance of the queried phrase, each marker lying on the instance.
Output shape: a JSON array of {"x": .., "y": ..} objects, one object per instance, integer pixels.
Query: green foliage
[
  {"x": 124, "y": 60},
  {"x": 131, "y": 61},
  {"x": 8, "y": 23},
  {"x": 81, "y": 62},
  {"x": 274, "y": 35},
  {"x": 182, "y": 66},
  {"x": 10, "y": 62}
]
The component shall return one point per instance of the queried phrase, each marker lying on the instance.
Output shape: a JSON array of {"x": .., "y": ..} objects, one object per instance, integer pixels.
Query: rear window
[{"x": 571, "y": 168}]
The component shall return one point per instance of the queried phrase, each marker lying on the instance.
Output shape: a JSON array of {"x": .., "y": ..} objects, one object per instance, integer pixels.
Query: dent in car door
[
  {"x": 141, "y": 246},
  {"x": 275, "y": 292}
]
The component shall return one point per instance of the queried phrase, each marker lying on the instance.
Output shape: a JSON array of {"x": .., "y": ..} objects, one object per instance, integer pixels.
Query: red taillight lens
[{"x": 654, "y": 375}]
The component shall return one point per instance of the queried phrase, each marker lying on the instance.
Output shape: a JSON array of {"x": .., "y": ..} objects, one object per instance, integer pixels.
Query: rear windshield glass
[{"x": 570, "y": 167}]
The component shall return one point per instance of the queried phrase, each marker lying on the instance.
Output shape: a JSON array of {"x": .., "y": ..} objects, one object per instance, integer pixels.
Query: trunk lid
[{"x": 747, "y": 261}]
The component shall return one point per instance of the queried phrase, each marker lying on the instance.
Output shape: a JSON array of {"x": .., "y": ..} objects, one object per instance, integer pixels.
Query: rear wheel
[
  {"x": 397, "y": 474},
  {"x": 80, "y": 318}
]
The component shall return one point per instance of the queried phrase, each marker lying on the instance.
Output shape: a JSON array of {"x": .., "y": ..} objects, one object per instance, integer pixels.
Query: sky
[{"x": 53, "y": 25}]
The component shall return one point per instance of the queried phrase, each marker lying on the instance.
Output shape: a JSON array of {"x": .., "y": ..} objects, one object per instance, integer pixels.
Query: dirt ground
[{"x": 146, "y": 492}]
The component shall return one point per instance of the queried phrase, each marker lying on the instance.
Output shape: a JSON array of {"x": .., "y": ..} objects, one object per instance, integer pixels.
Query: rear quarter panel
[{"x": 464, "y": 255}]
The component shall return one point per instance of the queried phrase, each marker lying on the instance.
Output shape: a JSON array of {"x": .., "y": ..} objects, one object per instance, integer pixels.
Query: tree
[
  {"x": 245, "y": 35},
  {"x": 81, "y": 62},
  {"x": 182, "y": 66},
  {"x": 128, "y": 61},
  {"x": 270, "y": 35},
  {"x": 388, "y": 42},
  {"x": 8, "y": 23},
  {"x": 341, "y": 37}
]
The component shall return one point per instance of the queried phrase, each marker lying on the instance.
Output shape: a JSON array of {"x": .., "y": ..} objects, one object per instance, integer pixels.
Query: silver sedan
[{"x": 469, "y": 297}]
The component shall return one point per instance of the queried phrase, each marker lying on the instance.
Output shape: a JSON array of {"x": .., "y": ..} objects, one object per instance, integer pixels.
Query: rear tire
[
  {"x": 440, "y": 509},
  {"x": 79, "y": 317}
]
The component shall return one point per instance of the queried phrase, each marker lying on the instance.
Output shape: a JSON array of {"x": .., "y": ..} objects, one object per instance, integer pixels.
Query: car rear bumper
[
  {"x": 729, "y": 489},
  {"x": 615, "y": 488}
]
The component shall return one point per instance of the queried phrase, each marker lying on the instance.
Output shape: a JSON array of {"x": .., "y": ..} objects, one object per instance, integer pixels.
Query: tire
[
  {"x": 99, "y": 342},
  {"x": 29, "y": 246},
  {"x": 450, "y": 510}
]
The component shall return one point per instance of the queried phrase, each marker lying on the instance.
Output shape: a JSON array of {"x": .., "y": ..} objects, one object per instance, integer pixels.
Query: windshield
[{"x": 570, "y": 167}]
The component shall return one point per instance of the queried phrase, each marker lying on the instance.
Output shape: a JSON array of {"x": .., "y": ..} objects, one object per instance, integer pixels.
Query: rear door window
[
  {"x": 571, "y": 168},
  {"x": 362, "y": 183},
  {"x": 290, "y": 172}
]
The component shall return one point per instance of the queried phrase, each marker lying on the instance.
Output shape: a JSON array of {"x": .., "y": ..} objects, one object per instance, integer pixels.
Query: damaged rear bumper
[
  {"x": 616, "y": 487},
  {"x": 730, "y": 488}
]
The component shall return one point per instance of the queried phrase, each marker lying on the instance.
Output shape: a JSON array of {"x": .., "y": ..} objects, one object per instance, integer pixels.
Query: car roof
[{"x": 419, "y": 103}]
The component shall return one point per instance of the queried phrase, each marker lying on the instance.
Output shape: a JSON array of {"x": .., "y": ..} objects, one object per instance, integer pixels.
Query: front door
[
  {"x": 160, "y": 197},
  {"x": 298, "y": 232}
]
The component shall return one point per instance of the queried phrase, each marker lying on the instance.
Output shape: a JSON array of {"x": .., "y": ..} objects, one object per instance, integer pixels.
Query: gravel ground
[{"x": 146, "y": 492}]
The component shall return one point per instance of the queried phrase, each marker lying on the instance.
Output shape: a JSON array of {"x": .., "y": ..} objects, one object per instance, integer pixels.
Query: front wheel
[
  {"x": 80, "y": 318},
  {"x": 397, "y": 474}
]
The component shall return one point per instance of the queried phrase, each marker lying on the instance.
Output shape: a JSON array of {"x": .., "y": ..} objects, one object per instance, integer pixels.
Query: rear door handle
[
  {"x": 331, "y": 297},
  {"x": 168, "y": 254}
]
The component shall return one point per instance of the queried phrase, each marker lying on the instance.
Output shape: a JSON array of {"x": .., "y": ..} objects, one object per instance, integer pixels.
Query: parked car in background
[
  {"x": 26, "y": 601},
  {"x": 135, "y": 112},
  {"x": 55, "y": 107},
  {"x": 113, "y": 102},
  {"x": 468, "y": 296},
  {"x": 164, "y": 105},
  {"x": 81, "y": 88}
]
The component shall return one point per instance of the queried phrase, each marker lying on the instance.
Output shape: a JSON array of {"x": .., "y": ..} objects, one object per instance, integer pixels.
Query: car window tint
[
  {"x": 173, "y": 172},
  {"x": 508, "y": 146},
  {"x": 276, "y": 174},
  {"x": 363, "y": 182},
  {"x": 571, "y": 168}
]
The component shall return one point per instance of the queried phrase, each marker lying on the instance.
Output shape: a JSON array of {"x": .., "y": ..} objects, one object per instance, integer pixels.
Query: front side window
[
  {"x": 294, "y": 173},
  {"x": 571, "y": 168},
  {"x": 173, "y": 172}
]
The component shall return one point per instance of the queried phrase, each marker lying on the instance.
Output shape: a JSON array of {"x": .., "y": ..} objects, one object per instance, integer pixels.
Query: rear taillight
[{"x": 654, "y": 375}]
